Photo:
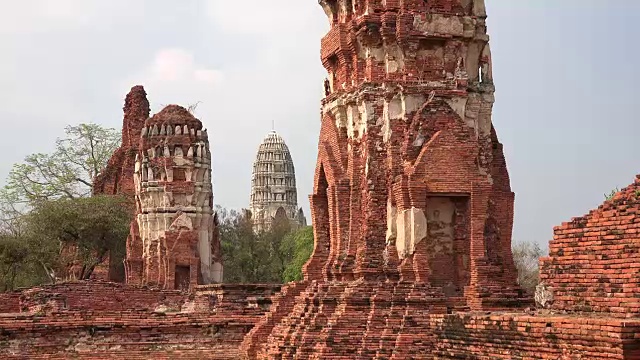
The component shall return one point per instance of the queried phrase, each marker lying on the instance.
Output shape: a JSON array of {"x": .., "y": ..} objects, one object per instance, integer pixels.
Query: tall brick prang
[
  {"x": 412, "y": 206},
  {"x": 173, "y": 243},
  {"x": 165, "y": 164}
]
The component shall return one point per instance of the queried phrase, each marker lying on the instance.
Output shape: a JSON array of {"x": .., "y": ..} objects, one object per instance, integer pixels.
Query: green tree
[
  {"x": 251, "y": 257},
  {"x": 239, "y": 248},
  {"x": 525, "y": 257},
  {"x": 296, "y": 248},
  {"x": 14, "y": 254},
  {"x": 78, "y": 234},
  {"x": 67, "y": 172},
  {"x": 41, "y": 197}
]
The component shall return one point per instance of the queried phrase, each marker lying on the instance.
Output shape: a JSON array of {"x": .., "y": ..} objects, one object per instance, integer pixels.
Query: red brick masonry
[
  {"x": 94, "y": 320},
  {"x": 412, "y": 212},
  {"x": 594, "y": 260}
]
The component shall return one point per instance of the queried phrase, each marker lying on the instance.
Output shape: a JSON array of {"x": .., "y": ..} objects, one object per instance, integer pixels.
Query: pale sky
[{"x": 565, "y": 73}]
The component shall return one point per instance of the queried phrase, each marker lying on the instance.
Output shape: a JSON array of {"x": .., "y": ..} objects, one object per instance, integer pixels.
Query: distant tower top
[{"x": 273, "y": 184}]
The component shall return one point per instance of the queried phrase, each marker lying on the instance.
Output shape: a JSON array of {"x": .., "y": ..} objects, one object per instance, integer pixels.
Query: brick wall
[
  {"x": 97, "y": 296},
  {"x": 512, "y": 336},
  {"x": 594, "y": 260},
  {"x": 115, "y": 321},
  {"x": 122, "y": 335},
  {"x": 10, "y": 302}
]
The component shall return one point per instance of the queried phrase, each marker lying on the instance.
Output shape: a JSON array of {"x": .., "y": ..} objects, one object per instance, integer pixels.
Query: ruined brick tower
[
  {"x": 412, "y": 207},
  {"x": 273, "y": 185},
  {"x": 117, "y": 177},
  {"x": 174, "y": 243},
  {"x": 165, "y": 164}
]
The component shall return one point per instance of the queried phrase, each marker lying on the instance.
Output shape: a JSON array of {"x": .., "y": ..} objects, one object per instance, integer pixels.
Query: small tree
[
  {"x": 78, "y": 234},
  {"x": 296, "y": 248},
  {"x": 14, "y": 261},
  {"x": 251, "y": 257},
  {"x": 611, "y": 194},
  {"x": 68, "y": 172},
  {"x": 525, "y": 257}
]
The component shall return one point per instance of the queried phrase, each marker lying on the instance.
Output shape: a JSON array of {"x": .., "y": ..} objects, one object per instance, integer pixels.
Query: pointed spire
[{"x": 136, "y": 111}]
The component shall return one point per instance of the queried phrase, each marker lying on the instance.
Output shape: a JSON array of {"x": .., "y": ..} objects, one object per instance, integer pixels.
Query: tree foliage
[
  {"x": 14, "y": 262},
  {"x": 525, "y": 256},
  {"x": 44, "y": 209},
  {"x": 267, "y": 257},
  {"x": 82, "y": 231},
  {"x": 64, "y": 239},
  {"x": 297, "y": 248},
  {"x": 67, "y": 172}
]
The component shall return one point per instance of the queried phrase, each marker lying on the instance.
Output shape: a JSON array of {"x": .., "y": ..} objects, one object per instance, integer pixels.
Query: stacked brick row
[
  {"x": 89, "y": 296},
  {"x": 10, "y": 302},
  {"x": 115, "y": 335},
  {"x": 209, "y": 323},
  {"x": 594, "y": 260},
  {"x": 530, "y": 337}
]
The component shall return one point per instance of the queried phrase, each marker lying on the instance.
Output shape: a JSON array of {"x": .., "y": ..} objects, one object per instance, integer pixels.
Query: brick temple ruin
[
  {"x": 164, "y": 163},
  {"x": 412, "y": 212}
]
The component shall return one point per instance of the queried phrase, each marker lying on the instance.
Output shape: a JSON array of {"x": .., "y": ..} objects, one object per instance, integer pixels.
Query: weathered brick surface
[
  {"x": 91, "y": 295},
  {"x": 412, "y": 206},
  {"x": 594, "y": 260},
  {"x": 209, "y": 323},
  {"x": 512, "y": 336},
  {"x": 10, "y": 302},
  {"x": 117, "y": 178}
]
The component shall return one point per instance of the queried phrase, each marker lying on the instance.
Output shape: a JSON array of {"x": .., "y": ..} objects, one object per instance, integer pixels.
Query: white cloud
[
  {"x": 175, "y": 65},
  {"x": 173, "y": 76}
]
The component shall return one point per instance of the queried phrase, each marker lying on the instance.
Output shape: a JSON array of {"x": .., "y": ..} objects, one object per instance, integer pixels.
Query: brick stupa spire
[{"x": 412, "y": 207}]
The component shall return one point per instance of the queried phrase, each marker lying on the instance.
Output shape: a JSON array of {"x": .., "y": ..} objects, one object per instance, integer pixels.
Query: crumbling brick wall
[
  {"x": 412, "y": 206},
  {"x": 117, "y": 177},
  {"x": 594, "y": 260},
  {"x": 508, "y": 336},
  {"x": 115, "y": 321},
  {"x": 96, "y": 296}
]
